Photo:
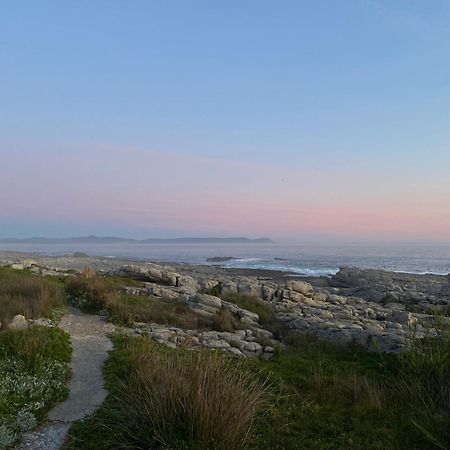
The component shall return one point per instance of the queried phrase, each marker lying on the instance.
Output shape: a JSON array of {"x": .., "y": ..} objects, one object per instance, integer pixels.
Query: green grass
[
  {"x": 126, "y": 309},
  {"x": 342, "y": 398},
  {"x": 94, "y": 293},
  {"x": 328, "y": 397},
  {"x": 33, "y": 375},
  {"x": 265, "y": 312}
]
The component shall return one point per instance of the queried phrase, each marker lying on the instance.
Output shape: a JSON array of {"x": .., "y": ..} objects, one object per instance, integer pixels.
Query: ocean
[{"x": 309, "y": 260}]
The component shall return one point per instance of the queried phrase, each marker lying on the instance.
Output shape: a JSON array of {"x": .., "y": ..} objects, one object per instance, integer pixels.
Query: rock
[
  {"x": 219, "y": 344},
  {"x": 235, "y": 351},
  {"x": 79, "y": 255},
  {"x": 220, "y": 259},
  {"x": 207, "y": 300},
  {"x": 252, "y": 347},
  {"x": 18, "y": 322},
  {"x": 301, "y": 287},
  {"x": 150, "y": 272},
  {"x": 187, "y": 284},
  {"x": 17, "y": 266},
  {"x": 160, "y": 291},
  {"x": 320, "y": 297},
  {"x": 228, "y": 287},
  {"x": 249, "y": 287},
  {"x": 42, "y": 322}
]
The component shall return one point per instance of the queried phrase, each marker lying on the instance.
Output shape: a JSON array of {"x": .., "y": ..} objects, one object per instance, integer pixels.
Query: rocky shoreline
[{"x": 372, "y": 308}]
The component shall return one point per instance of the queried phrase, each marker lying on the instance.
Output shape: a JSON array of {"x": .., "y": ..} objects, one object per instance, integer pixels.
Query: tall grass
[
  {"x": 126, "y": 309},
  {"x": 424, "y": 384},
  {"x": 162, "y": 398},
  {"x": 199, "y": 396},
  {"x": 22, "y": 293}
]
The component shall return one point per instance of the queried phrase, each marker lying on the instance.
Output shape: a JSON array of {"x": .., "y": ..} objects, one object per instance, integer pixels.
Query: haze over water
[{"x": 306, "y": 259}]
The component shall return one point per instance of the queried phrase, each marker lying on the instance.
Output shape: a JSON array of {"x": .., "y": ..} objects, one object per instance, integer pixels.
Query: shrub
[
  {"x": 22, "y": 293},
  {"x": 89, "y": 293},
  {"x": 33, "y": 375}
]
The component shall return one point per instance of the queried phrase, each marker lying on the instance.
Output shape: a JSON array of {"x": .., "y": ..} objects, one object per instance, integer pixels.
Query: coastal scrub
[{"x": 33, "y": 377}]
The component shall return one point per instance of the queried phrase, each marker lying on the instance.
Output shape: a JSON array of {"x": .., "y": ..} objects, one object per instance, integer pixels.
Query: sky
[{"x": 298, "y": 120}]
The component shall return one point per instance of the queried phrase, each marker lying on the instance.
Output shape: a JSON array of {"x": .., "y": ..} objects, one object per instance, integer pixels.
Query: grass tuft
[
  {"x": 174, "y": 399},
  {"x": 25, "y": 294}
]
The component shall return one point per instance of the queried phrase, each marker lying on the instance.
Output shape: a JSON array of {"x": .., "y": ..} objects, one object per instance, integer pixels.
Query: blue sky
[{"x": 339, "y": 89}]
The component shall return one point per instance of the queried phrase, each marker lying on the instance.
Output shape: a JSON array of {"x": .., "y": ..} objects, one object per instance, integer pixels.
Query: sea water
[{"x": 305, "y": 259}]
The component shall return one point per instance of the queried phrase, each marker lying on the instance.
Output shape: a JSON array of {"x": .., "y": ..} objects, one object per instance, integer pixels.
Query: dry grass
[
  {"x": 29, "y": 296},
  {"x": 127, "y": 309},
  {"x": 198, "y": 397},
  {"x": 225, "y": 320}
]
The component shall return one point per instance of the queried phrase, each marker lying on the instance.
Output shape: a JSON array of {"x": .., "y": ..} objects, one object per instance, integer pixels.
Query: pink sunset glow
[{"x": 141, "y": 189}]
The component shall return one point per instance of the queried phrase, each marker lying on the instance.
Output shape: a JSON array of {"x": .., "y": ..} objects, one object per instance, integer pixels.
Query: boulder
[
  {"x": 301, "y": 287},
  {"x": 18, "y": 322}
]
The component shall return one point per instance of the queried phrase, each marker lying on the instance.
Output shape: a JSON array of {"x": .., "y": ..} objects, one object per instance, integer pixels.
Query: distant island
[{"x": 113, "y": 239}]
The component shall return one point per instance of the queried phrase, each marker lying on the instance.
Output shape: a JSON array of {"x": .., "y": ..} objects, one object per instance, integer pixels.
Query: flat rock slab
[{"x": 88, "y": 335}]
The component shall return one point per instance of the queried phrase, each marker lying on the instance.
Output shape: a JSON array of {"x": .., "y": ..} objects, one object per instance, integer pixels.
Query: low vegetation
[
  {"x": 92, "y": 293},
  {"x": 28, "y": 295},
  {"x": 265, "y": 312},
  {"x": 126, "y": 309},
  {"x": 312, "y": 395},
  {"x": 161, "y": 398},
  {"x": 328, "y": 397},
  {"x": 343, "y": 398},
  {"x": 33, "y": 375}
]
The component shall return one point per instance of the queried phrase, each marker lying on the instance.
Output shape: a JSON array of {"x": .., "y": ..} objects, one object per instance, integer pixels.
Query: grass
[
  {"x": 126, "y": 309},
  {"x": 92, "y": 293},
  {"x": 28, "y": 295},
  {"x": 33, "y": 375},
  {"x": 265, "y": 312},
  {"x": 160, "y": 398},
  {"x": 330, "y": 397},
  {"x": 343, "y": 398}
]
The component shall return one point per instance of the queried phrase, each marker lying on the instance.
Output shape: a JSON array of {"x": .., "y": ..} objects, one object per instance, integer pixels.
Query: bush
[
  {"x": 22, "y": 293},
  {"x": 89, "y": 293},
  {"x": 174, "y": 399}
]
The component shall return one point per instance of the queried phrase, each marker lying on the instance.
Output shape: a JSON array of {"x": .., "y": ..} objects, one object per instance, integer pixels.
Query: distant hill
[{"x": 113, "y": 240}]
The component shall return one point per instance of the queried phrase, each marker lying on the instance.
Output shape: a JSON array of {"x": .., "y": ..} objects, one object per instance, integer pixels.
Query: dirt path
[{"x": 90, "y": 349}]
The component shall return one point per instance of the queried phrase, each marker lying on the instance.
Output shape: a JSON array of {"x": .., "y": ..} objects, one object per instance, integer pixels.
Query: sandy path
[{"x": 90, "y": 344}]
